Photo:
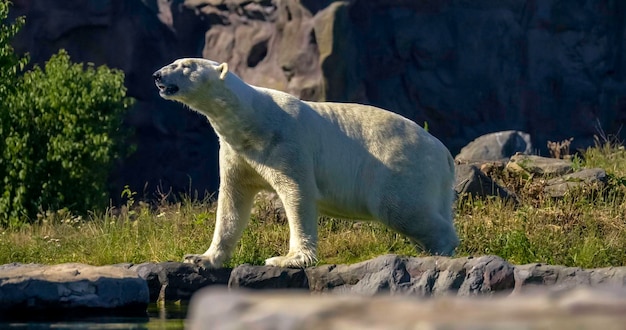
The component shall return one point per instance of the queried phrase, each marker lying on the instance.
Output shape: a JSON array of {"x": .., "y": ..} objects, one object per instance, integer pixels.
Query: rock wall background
[{"x": 552, "y": 68}]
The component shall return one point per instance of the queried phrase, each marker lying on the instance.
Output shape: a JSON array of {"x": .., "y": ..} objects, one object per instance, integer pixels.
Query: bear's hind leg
[
  {"x": 442, "y": 244},
  {"x": 430, "y": 231},
  {"x": 437, "y": 238}
]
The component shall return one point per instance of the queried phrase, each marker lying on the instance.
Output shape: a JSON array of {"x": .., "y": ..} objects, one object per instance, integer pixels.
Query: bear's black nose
[{"x": 157, "y": 76}]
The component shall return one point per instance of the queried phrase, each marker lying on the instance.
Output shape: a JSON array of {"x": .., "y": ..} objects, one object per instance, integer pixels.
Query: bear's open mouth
[{"x": 167, "y": 89}]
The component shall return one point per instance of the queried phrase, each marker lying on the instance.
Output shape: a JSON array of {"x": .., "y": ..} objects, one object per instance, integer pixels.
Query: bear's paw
[
  {"x": 293, "y": 260},
  {"x": 200, "y": 260}
]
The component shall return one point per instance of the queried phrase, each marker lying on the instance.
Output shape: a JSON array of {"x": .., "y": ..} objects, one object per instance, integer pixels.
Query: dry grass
[{"x": 587, "y": 228}]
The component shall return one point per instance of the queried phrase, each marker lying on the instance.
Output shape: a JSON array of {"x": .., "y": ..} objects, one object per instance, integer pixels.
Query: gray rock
[
  {"x": 495, "y": 146},
  {"x": 450, "y": 276},
  {"x": 610, "y": 276},
  {"x": 533, "y": 276},
  {"x": 487, "y": 274},
  {"x": 75, "y": 288},
  {"x": 539, "y": 166},
  {"x": 470, "y": 180},
  {"x": 172, "y": 281},
  {"x": 267, "y": 277},
  {"x": 28, "y": 291},
  {"x": 578, "y": 309},
  {"x": 427, "y": 276},
  {"x": 538, "y": 276},
  {"x": 591, "y": 179},
  {"x": 382, "y": 274}
]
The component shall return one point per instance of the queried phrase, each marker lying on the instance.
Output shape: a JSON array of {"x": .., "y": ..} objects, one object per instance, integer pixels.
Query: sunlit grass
[
  {"x": 587, "y": 228},
  {"x": 169, "y": 232}
]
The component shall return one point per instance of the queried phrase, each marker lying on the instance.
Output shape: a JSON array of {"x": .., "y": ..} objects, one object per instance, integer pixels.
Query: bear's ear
[{"x": 223, "y": 69}]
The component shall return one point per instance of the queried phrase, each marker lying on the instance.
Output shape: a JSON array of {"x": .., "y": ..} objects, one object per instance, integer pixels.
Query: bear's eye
[{"x": 186, "y": 68}]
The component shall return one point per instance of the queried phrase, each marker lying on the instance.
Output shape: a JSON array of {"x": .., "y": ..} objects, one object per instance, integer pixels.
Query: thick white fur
[{"x": 344, "y": 160}]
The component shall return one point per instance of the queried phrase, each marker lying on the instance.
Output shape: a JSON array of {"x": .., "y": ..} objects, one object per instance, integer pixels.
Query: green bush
[
  {"x": 10, "y": 64},
  {"x": 59, "y": 135}
]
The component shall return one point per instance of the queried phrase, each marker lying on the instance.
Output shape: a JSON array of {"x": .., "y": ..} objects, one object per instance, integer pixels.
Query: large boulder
[
  {"x": 495, "y": 147},
  {"x": 267, "y": 277},
  {"x": 28, "y": 291},
  {"x": 573, "y": 309},
  {"x": 392, "y": 274},
  {"x": 172, "y": 281},
  {"x": 470, "y": 180}
]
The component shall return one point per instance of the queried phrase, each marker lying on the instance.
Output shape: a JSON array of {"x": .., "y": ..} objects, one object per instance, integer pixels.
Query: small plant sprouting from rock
[{"x": 560, "y": 149}]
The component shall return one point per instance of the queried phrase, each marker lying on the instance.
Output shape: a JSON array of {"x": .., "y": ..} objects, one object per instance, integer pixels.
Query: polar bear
[{"x": 343, "y": 160}]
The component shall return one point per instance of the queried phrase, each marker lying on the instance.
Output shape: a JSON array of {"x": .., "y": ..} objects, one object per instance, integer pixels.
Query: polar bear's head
[{"x": 184, "y": 77}]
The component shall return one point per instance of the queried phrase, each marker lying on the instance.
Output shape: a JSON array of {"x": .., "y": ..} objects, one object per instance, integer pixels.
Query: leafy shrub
[
  {"x": 9, "y": 62},
  {"x": 59, "y": 135}
]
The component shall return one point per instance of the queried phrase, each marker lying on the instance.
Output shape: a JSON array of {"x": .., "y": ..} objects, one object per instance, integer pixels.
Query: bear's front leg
[
  {"x": 233, "y": 213},
  {"x": 301, "y": 210}
]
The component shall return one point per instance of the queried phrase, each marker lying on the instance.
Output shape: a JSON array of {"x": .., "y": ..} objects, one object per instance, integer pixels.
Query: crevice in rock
[{"x": 258, "y": 52}]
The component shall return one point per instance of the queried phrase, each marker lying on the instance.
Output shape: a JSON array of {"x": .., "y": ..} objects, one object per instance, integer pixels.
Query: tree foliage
[
  {"x": 60, "y": 131},
  {"x": 10, "y": 63}
]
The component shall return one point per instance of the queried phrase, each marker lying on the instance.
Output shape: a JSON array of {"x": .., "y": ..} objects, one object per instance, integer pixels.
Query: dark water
[{"x": 170, "y": 316}]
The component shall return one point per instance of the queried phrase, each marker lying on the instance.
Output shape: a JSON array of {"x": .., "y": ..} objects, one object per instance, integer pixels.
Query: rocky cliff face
[{"x": 554, "y": 69}]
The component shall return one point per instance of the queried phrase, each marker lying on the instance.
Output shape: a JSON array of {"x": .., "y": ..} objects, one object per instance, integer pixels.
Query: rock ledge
[
  {"x": 127, "y": 289},
  {"x": 44, "y": 292}
]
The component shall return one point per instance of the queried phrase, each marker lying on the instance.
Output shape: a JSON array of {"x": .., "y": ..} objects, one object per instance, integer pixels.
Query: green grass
[
  {"x": 169, "y": 232},
  {"x": 587, "y": 228}
]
